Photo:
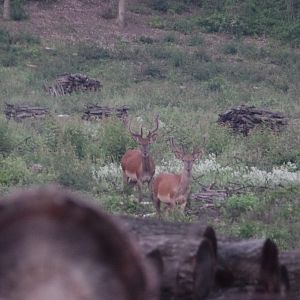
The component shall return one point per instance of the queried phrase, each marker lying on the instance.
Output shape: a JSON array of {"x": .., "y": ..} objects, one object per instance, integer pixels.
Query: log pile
[
  {"x": 19, "y": 113},
  {"x": 73, "y": 250},
  {"x": 69, "y": 83},
  {"x": 98, "y": 112},
  {"x": 243, "y": 119}
]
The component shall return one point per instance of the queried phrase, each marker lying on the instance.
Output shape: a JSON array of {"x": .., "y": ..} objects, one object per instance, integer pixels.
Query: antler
[
  {"x": 135, "y": 134},
  {"x": 178, "y": 153},
  {"x": 156, "y": 121}
]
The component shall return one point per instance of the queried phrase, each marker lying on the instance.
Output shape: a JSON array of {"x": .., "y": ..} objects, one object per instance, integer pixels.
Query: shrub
[
  {"x": 93, "y": 52},
  {"x": 178, "y": 59},
  {"x": 13, "y": 171},
  {"x": 154, "y": 72},
  {"x": 196, "y": 40},
  {"x": 160, "y": 5},
  {"x": 114, "y": 141},
  {"x": 229, "y": 49},
  {"x": 146, "y": 40},
  {"x": 201, "y": 55},
  {"x": 72, "y": 172},
  {"x": 215, "y": 84},
  {"x": 204, "y": 72},
  {"x": 239, "y": 204},
  {"x": 170, "y": 38},
  {"x": 78, "y": 140},
  {"x": 17, "y": 10},
  {"x": 6, "y": 139}
]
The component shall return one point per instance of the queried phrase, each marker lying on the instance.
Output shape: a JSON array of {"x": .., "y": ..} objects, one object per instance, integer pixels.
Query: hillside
[{"x": 184, "y": 61}]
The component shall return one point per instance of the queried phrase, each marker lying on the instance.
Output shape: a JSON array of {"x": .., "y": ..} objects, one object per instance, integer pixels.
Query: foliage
[
  {"x": 114, "y": 141},
  {"x": 17, "y": 10},
  {"x": 236, "y": 205}
]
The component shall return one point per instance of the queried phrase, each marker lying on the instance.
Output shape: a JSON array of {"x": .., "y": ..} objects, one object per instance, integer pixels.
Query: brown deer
[
  {"x": 137, "y": 164},
  {"x": 173, "y": 189}
]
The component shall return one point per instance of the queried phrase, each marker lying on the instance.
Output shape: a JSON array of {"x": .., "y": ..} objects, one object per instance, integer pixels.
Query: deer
[
  {"x": 137, "y": 165},
  {"x": 171, "y": 188}
]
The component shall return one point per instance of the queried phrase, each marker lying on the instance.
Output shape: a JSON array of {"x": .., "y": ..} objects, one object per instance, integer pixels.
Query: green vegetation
[{"x": 188, "y": 79}]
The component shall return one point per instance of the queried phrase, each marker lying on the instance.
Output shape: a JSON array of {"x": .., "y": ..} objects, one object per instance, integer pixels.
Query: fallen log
[
  {"x": 243, "y": 119},
  {"x": 238, "y": 261},
  {"x": 19, "y": 113},
  {"x": 98, "y": 112}
]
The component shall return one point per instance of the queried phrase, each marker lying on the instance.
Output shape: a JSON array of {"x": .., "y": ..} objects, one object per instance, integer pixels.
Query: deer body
[
  {"x": 173, "y": 189},
  {"x": 137, "y": 165},
  {"x": 137, "y": 168}
]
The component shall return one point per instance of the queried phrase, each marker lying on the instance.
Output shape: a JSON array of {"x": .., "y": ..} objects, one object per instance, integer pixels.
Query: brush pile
[
  {"x": 243, "y": 119},
  {"x": 19, "y": 113},
  {"x": 97, "y": 112},
  {"x": 69, "y": 83}
]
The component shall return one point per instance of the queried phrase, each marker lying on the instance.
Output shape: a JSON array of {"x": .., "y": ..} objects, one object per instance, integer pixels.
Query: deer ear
[
  {"x": 153, "y": 137},
  {"x": 197, "y": 155}
]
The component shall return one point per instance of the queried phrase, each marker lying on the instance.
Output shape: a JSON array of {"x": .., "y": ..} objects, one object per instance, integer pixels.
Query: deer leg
[
  {"x": 156, "y": 202},
  {"x": 182, "y": 201},
  {"x": 139, "y": 187},
  {"x": 168, "y": 208}
]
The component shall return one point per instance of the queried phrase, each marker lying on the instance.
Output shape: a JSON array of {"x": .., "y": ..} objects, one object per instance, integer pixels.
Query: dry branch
[{"x": 243, "y": 119}]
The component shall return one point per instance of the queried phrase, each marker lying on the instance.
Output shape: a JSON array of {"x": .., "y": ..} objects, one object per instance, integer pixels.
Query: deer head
[
  {"x": 187, "y": 159},
  {"x": 144, "y": 142}
]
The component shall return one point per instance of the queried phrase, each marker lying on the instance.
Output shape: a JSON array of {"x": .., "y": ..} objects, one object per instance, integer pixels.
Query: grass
[{"x": 188, "y": 84}]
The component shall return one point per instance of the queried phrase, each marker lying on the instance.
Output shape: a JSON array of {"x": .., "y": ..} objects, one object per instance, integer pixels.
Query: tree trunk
[
  {"x": 121, "y": 14},
  {"x": 6, "y": 10},
  {"x": 177, "y": 243}
]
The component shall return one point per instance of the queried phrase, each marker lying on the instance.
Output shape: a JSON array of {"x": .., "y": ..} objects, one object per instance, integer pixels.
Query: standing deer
[
  {"x": 172, "y": 188},
  {"x": 137, "y": 164}
]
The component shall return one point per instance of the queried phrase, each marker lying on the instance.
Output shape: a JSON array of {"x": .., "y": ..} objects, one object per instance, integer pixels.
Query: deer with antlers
[
  {"x": 173, "y": 189},
  {"x": 137, "y": 165}
]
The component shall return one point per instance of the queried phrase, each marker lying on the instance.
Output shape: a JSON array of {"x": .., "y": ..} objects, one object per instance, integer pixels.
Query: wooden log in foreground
[
  {"x": 55, "y": 246},
  {"x": 238, "y": 266}
]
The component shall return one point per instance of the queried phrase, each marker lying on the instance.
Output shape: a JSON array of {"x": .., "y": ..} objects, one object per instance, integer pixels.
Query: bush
[
  {"x": 72, "y": 172},
  {"x": 237, "y": 205},
  {"x": 196, "y": 40},
  {"x": 229, "y": 49},
  {"x": 93, "y": 52},
  {"x": 114, "y": 142},
  {"x": 17, "y": 10},
  {"x": 78, "y": 140},
  {"x": 204, "y": 72},
  {"x": 160, "y": 5},
  {"x": 13, "y": 171},
  {"x": 154, "y": 72},
  {"x": 146, "y": 40},
  {"x": 6, "y": 139},
  {"x": 170, "y": 38}
]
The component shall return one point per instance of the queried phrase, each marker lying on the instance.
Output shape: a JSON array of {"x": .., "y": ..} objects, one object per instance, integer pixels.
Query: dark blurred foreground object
[
  {"x": 244, "y": 118},
  {"x": 69, "y": 83},
  {"x": 55, "y": 246},
  {"x": 19, "y": 113}
]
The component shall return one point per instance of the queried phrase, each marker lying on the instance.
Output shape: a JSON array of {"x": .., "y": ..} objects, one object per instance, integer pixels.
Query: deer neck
[
  {"x": 146, "y": 164},
  {"x": 185, "y": 180}
]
